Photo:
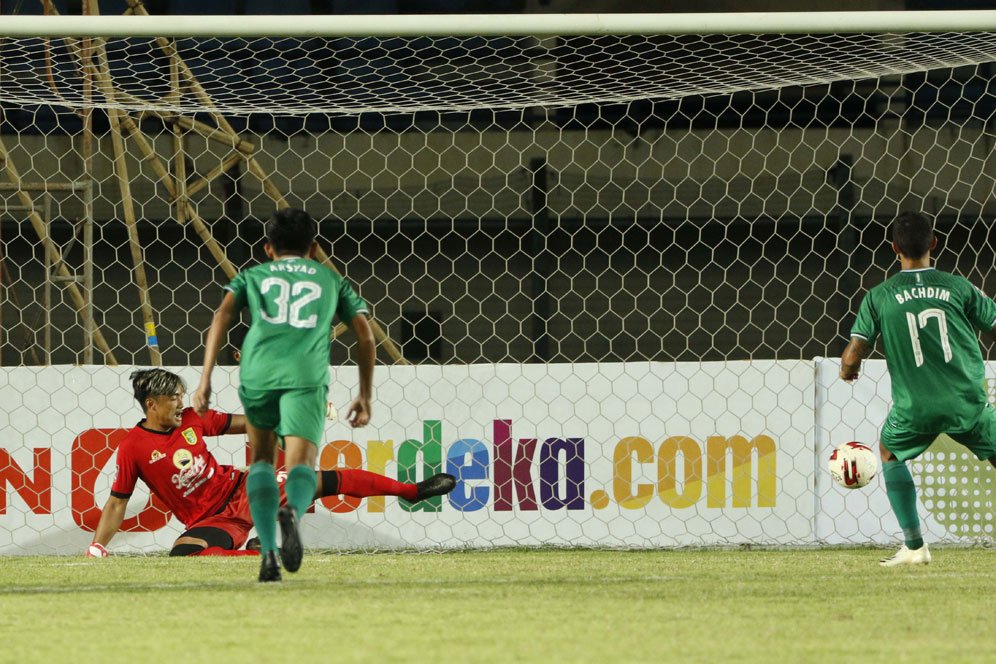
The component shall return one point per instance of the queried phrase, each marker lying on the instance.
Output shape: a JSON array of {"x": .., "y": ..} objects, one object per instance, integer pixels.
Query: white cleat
[{"x": 906, "y": 556}]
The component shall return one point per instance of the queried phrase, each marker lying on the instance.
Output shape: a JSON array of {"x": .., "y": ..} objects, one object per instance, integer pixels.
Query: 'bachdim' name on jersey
[{"x": 928, "y": 321}]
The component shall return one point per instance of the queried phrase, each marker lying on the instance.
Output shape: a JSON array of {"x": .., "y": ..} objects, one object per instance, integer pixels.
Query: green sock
[
  {"x": 264, "y": 501},
  {"x": 300, "y": 488},
  {"x": 901, "y": 490}
]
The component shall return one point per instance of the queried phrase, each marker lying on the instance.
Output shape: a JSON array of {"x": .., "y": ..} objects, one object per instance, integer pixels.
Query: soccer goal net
[{"x": 611, "y": 260}]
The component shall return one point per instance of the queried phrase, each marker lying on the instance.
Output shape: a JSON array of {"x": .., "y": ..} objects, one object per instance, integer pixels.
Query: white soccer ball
[{"x": 853, "y": 465}]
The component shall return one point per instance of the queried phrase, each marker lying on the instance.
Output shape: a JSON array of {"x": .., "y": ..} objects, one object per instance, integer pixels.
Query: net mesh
[{"x": 641, "y": 242}]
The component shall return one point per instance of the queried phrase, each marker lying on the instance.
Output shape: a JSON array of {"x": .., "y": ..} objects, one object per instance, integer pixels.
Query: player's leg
[
  {"x": 209, "y": 540},
  {"x": 262, "y": 417},
  {"x": 221, "y": 534},
  {"x": 300, "y": 455},
  {"x": 302, "y": 418},
  {"x": 363, "y": 483},
  {"x": 896, "y": 446}
]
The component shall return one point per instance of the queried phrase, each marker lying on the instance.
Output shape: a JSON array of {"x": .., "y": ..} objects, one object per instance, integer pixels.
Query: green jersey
[
  {"x": 292, "y": 302},
  {"x": 928, "y": 321}
]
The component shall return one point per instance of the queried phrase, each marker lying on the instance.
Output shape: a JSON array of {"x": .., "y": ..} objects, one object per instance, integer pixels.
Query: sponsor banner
[
  {"x": 623, "y": 454},
  {"x": 955, "y": 489}
]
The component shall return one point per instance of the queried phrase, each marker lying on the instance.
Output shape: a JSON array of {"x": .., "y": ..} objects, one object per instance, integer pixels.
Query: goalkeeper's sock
[
  {"x": 901, "y": 490},
  {"x": 363, "y": 483},
  {"x": 218, "y": 551},
  {"x": 264, "y": 501},
  {"x": 300, "y": 488}
]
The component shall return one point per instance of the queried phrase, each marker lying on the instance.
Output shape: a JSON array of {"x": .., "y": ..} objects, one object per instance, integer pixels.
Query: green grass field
[{"x": 504, "y": 605}]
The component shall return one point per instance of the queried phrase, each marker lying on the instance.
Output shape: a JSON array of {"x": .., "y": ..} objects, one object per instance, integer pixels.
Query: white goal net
[{"x": 606, "y": 270}]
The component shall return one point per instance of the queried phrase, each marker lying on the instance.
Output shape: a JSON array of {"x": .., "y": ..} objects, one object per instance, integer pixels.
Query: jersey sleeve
[
  {"x": 867, "y": 325},
  {"x": 350, "y": 303},
  {"x": 237, "y": 287},
  {"x": 980, "y": 309},
  {"x": 215, "y": 423},
  {"x": 126, "y": 474}
]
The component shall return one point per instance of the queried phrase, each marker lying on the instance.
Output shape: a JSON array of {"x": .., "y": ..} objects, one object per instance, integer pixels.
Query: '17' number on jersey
[
  {"x": 290, "y": 300},
  {"x": 916, "y": 322}
]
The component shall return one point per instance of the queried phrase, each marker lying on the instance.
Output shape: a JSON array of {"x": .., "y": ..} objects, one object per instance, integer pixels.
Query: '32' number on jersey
[{"x": 290, "y": 300}]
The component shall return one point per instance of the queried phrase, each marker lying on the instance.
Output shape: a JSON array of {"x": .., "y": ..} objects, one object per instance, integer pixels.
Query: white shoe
[{"x": 907, "y": 556}]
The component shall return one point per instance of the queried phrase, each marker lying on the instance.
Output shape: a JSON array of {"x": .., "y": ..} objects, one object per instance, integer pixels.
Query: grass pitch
[{"x": 504, "y": 605}]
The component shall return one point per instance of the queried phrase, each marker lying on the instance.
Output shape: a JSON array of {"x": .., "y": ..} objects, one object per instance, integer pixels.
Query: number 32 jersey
[
  {"x": 293, "y": 302},
  {"x": 928, "y": 321}
]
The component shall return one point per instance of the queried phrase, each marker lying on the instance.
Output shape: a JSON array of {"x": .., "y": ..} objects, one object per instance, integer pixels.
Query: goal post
[{"x": 608, "y": 258}]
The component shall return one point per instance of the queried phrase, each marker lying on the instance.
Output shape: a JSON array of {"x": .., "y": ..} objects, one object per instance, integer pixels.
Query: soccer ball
[{"x": 853, "y": 465}]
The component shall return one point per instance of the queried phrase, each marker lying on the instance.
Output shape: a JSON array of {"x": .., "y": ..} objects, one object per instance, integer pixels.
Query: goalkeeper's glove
[{"x": 96, "y": 550}]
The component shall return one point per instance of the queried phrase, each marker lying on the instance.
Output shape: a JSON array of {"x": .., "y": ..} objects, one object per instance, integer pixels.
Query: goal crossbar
[{"x": 537, "y": 25}]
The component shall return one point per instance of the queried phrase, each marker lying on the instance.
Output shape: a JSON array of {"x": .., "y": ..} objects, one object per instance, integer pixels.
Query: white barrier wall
[{"x": 634, "y": 454}]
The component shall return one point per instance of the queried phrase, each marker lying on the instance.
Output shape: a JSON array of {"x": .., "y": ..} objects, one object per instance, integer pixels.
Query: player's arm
[
  {"x": 850, "y": 362},
  {"x": 366, "y": 352},
  {"x": 237, "y": 425},
  {"x": 111, "y": 518},
  {"x": 222, "y": 320}
]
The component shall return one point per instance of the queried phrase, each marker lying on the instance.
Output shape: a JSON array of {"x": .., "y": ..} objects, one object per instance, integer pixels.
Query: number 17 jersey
[
  {"x": 928, "y": 321},
  {"x": 293, "y": 302}
]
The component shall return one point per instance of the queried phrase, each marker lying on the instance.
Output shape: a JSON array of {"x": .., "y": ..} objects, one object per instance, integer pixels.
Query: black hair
[
  {"x": 291, "y": 230},
  {"x": 912, "y": 233},
  {"x": 154, "y": 383},
  {"x": 236, "y": 337}
]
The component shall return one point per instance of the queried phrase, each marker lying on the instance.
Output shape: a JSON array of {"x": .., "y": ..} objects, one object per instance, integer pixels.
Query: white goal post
[
  {"x": 608, "y": 257},
  {"x": 501, "y": 25}
]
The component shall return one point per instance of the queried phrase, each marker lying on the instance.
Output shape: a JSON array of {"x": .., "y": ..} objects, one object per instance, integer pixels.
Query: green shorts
[
  {"x": 296, "y": 411},
  {"x": 980, "y": 439}
]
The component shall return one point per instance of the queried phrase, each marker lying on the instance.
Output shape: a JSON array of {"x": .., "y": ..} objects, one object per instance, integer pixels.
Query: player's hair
[
  {"x": 912, "y": 234},
  {"x": 154, "y": 383},
  {"x": 291, "y": 230}
]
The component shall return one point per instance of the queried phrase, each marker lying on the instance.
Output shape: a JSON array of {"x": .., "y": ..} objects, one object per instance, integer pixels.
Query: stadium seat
[
  {"x": 278, "y": 7},
  {"x": 204, "y": 7},
  {"x": 346, "y": 7}
]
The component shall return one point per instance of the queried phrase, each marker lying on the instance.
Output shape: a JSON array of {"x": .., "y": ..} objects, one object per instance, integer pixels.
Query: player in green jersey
[
  {"x": 929, "y": 322},
  {"x": 284, "y": 373}
]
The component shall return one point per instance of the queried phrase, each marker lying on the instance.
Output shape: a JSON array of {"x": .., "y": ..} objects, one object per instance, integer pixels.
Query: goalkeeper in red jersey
[{"x": 166, "y": 450}]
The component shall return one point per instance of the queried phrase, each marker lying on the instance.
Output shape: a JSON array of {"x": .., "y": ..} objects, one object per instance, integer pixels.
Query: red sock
[
  {"x": 363, "y": 483},
  {"x": 218, "y": 551}
]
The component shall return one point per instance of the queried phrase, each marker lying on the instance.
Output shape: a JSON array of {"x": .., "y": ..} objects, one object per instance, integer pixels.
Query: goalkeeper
[{"x": 166, "y": 450}]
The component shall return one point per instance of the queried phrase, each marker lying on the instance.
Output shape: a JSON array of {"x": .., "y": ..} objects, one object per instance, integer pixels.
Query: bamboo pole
[
  {"x": 88, "y": 140},
  {"x": 103, "y": 78},
  {"x": 38, "y": 225},
  {"x": 179, "y": 157}
]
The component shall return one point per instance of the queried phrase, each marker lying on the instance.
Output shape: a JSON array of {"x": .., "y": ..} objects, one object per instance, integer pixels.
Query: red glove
[{"x": 96, "y": 550}]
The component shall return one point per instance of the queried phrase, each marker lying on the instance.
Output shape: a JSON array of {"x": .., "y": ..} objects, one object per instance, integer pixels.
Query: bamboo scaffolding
[
  {"x": 79, "y": 301},
  {"x": 102, "y": 74},
  {"x": 124, "y": 126}
]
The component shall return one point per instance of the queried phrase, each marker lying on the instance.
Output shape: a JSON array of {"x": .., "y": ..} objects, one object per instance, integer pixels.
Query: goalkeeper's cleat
[
  {"x": 291, "y": 550},
  {"x": 437, "y": 485},
  {"x": 907, "y": 556},
  {"x": 253, "y": 544},
  {"x": 269, "y": 568}
]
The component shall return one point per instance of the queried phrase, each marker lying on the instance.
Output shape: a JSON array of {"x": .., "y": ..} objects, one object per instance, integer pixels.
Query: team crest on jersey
[
  {"x": 190, "y": 436},
  {"x": 182, "y": 458},
  {"x": 156, "y": 456}
]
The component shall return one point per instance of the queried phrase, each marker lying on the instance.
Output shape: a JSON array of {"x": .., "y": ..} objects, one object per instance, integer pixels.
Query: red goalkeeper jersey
[{"x": 177, "y": 466}]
